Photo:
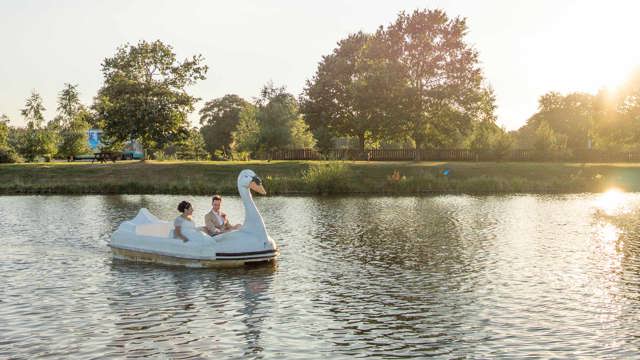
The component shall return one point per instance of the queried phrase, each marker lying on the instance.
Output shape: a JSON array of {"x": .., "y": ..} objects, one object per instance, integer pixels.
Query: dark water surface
[{"x": 448, "y": 276}]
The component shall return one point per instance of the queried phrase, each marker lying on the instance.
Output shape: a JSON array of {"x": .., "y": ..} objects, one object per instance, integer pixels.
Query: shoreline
[{"x": 302, "y": 178}]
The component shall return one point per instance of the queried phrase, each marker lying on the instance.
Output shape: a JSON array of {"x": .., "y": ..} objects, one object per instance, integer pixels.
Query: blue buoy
[{"x": 445, "y": 172}]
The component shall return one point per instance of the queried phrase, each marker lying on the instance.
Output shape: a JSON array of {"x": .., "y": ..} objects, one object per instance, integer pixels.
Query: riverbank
[{"x": 317, "y": 177}]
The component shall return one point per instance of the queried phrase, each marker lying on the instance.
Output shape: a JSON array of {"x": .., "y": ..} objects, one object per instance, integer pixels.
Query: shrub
[
  {"x": 240, "y": 156},
  {"x": 8, "y": 156},
  {"x": 331, "y": 178}
]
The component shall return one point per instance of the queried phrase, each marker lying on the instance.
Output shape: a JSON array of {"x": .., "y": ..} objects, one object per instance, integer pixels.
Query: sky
[{"x": 526, "y": 48}]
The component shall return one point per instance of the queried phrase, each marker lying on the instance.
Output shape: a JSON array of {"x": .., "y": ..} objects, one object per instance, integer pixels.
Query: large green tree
[
  {"x": 144, "y": 94},
  {"x": 570, "y": 117},
  {"x": 246, "y": 136},
  {"x": 442, "y": 77},
  {"x": 279, "y": 120},
  {"x": 349, "y": 93},
  {"x": 219, "y": 118}
]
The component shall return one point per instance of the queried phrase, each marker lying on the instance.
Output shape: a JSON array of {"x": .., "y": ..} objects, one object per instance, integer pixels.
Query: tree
[
  {"x": 38, "y": 140},
  {"x": 4, "y": 131},
  {"x": 277, "y": 116},
  {"x": 489, "y": 139},
  {"x": 246, "y": 136},
  {"x": 144, "y": 96},
  {"x": 301, "y": 137},
  {"x": 219, "y": 118},
  {"x": 33, "y": 109},
  {"x": 349, "y": 92},
  {"x": 617, "y": 116},
  {"x": 547, "y": 143},
  {"x": 571, "y": 116},
  {"x": 443, "y": 82},
  {"x": 193, "y": 147},
  {"x": 74, "y": 136},
  {"x": 68, "y": 103},
  {"x": 71, "y": 124}
]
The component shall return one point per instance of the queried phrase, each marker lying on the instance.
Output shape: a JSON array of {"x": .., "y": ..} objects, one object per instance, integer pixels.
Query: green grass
[{"x": 317, "y": 177}]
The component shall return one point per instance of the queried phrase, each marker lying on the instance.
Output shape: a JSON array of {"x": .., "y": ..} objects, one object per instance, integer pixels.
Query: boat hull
[{"x": 221, "y": 261}]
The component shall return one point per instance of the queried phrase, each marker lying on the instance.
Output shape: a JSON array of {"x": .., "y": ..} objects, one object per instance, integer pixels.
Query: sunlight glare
[{"x": 612, "y": 201}]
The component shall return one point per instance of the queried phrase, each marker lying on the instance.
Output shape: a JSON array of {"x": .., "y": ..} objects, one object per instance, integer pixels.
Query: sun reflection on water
[{"x": 612, "y": 202}]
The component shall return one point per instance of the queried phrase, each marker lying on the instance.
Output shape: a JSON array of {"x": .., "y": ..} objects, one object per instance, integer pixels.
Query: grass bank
[{"x": 315, "y": 177}]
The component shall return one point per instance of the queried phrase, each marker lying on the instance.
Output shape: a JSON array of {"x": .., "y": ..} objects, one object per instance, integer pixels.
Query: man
[{"x": 216, "y": 221}]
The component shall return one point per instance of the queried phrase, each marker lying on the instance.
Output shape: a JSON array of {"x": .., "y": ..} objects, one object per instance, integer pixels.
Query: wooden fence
[{"x": 451, "y": 155}]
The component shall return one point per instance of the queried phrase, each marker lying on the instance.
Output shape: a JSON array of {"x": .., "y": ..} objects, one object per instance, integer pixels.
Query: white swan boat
[{"x": 148, "y": 239}]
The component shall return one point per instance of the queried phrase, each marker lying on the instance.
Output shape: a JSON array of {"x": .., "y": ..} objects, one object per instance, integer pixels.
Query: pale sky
[{"x": 527, "y": 48}]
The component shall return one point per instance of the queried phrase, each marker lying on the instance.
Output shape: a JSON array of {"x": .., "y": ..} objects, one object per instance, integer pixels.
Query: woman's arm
[{"x": 179, "y": 235}]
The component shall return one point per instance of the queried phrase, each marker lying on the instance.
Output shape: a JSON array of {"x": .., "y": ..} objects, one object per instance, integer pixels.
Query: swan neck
[{"x": 253, "y": 222}]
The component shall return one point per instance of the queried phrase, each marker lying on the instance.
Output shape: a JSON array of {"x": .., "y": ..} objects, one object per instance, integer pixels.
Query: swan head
[{"x": 249, "y": 180}]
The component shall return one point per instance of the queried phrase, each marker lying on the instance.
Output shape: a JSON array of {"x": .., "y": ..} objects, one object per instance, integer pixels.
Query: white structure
[{"x": 148, "y": 239}]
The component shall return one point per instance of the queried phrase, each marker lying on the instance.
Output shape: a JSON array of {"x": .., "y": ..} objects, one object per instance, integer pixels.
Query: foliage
[
  {"x": 501, "y": 144},
  {"x": 219, "y": 118},
  {"x": 279, "y": 121},
  {"x": 193, "y": 147},
  {"x": 4, "y": 131},
  {"x": 69, "y": 104},
  {"x": 617, "y": 116},
  {"x": 488, "y": 138},
  {"x": 33, "y": 109},
  {"x": 301, "y": 137},
  {"x": 569, "y": 116},
  {"x": 416, "y": 78},
  {"x": 8, "y": 155},
  {"x": 38, "y": 140},
  {"x": 331, "y": 178},
  {"x": 71, "y": 124},
  {"x": 443, "y": 93},
  {"x": 144, "y": 96},
  {"x": 277, "y": 109},
  {"x": 74, "y": 136},
  {"x": 246, "y": 136},
  {"x": 547, "y": 143},
  {"x": 345, "y": 96},
  {"x": 7, "y": 152},
  {"x": 324, "y": 139}
]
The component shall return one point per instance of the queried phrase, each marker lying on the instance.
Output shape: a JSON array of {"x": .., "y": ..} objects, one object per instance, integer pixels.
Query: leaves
[
  {"x": 416, "y": 78},
  {"x": 144, "y": 96},
  {"x": 219, "y": 118}
]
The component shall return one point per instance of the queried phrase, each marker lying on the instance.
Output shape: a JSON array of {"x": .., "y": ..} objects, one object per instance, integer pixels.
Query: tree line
[{"x": 415, "y": 83}]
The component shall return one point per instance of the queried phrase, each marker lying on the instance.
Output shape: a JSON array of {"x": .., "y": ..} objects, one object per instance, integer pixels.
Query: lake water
[{"x": 444, "y": 276}]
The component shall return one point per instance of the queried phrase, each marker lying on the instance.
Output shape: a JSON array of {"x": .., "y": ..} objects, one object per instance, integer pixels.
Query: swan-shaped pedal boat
[{"x": 148, "y": 239}]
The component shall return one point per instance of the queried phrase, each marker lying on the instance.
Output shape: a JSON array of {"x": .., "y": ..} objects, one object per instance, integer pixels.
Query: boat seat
[{"x": 159, "y": 229}]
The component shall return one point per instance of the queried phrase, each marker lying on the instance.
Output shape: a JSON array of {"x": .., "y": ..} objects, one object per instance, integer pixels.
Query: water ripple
[{"x": 445, "y": 276}]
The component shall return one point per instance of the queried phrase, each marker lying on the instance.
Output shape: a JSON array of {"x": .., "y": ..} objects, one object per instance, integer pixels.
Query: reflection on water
[{"x": 449, "y": 276}]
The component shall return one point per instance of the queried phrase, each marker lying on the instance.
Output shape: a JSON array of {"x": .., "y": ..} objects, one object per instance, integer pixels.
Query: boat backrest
[{"x": 158, "y": 229}]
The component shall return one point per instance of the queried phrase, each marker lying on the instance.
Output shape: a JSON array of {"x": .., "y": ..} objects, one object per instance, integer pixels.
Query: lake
[{"x": 383, "y": 277}]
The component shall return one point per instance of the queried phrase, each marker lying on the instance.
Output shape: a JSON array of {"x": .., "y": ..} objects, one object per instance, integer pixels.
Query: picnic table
[{"x": 105, "y": 156}]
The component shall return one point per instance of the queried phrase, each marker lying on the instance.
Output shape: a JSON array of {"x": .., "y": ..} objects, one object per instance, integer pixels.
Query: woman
[{"x": 183, "y": 221}]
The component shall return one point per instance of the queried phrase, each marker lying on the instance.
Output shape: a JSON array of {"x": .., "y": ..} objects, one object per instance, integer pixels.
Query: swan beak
[{"x": 257, "y": 188}]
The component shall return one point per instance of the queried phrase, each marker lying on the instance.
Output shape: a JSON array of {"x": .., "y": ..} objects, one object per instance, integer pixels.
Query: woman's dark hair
[
  {"x": 216, "y": 197},
  {"x": 184, "y": 205}
]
